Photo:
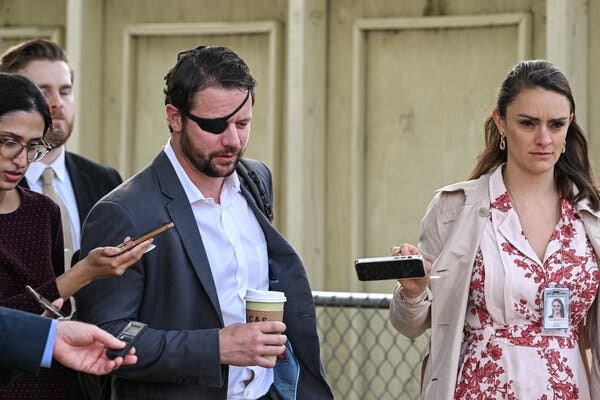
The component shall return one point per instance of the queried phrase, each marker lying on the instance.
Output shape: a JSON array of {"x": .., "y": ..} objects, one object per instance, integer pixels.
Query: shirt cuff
[{"x": 49, "y": 349}]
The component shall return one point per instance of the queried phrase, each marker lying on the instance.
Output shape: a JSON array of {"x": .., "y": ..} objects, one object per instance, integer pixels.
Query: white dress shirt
[
  {"x": 237, "y": 253},
  {"x": 64, "y": 188}
]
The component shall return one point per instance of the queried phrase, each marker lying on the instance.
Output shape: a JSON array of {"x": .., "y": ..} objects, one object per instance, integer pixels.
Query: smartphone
[
  {"x": 123, "y": 247},
  {"x": 45, "y": 303},
  {"x": 393, "y": 267},
  {"x": 129, "y": 335}
]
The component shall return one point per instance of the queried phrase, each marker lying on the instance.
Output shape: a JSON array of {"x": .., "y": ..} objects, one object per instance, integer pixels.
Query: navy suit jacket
[
  {"x": 23, "y": 341},
  {"x": 172, "y": 290},
  {"x": 90, "y": 180}
]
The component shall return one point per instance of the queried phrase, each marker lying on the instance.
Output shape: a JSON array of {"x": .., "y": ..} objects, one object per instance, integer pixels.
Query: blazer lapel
[
  {"x": 182, "y": 216},
  {"x": 282, "y": 257},
  {"x": 80, "y": 181}
]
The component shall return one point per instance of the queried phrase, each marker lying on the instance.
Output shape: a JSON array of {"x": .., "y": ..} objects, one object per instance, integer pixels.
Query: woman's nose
[
  {"x": 543, "y": 136},
  {"x": 20, "y": 159}
]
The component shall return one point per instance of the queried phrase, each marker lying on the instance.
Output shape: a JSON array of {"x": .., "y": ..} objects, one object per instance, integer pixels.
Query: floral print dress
[{"x": 505, "y": 354}]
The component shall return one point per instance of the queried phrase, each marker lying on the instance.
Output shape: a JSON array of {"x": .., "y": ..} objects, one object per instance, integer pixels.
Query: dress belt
[{"x": 479, "y": 338}]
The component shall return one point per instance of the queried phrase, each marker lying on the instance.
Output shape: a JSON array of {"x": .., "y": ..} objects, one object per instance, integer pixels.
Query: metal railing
[{"x": 365, "y": 357}]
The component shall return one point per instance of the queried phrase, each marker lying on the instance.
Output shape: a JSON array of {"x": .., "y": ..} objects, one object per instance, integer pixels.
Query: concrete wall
[{"x": 363, "y": 107}]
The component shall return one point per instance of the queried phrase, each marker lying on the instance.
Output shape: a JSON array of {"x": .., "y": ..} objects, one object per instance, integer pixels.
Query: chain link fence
[{"x": 365, "y": 357}]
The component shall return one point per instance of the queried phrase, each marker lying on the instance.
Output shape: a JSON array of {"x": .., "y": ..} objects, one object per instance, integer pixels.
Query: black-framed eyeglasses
[
  {"x": 10, "y": 148},
  {"x": 215, "y": 125}
]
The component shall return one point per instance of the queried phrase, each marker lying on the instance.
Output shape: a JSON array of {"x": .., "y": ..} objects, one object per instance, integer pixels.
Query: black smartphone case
[{"x": 396, "y": 267}]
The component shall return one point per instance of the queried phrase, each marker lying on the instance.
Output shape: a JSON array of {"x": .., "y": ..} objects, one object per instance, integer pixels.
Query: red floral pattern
[{"x": 504, "y": 354}]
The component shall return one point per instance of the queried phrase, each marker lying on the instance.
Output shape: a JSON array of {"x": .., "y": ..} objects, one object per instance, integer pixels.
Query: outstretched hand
[
  {"x": 101, "y": 262},
  {"x": 412, "y": 287},
  {"x": 82, "y": 347},
  {"x": 247, "y": 344},
  {"x": 108, "y": 261}
]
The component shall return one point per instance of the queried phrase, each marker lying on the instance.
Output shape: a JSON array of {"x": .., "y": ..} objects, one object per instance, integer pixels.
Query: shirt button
[{"x": 483, "y": 212}]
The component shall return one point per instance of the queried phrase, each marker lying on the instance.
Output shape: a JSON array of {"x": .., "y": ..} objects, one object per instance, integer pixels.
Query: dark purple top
[{"x": 31, "y": 253}]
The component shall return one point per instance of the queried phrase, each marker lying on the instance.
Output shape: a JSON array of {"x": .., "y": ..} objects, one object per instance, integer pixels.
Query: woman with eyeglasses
[{"x": 31, "y": 241}]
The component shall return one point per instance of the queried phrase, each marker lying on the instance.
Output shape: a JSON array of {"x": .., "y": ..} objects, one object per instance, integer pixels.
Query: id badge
[{"x": 556, "y": 310}]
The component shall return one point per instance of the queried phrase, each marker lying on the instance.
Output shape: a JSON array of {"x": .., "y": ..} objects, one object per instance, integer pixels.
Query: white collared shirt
[
  {"x": 237, "y": 253},
  {"x": 62, "y": 185}
]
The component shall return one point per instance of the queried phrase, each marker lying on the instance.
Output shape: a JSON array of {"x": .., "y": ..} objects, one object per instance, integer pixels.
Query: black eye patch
[{"x": 215, "y": 125}]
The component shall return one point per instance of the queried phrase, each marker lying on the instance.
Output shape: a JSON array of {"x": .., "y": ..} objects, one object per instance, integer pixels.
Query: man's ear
[{"x": 174, "y": 118}]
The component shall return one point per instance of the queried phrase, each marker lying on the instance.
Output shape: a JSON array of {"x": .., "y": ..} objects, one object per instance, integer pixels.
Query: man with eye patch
[{"x": 190, "y": 289}]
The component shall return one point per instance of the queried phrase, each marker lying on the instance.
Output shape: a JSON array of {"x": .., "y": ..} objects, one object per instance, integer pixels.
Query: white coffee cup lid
[{"x": 264, "y": 296}]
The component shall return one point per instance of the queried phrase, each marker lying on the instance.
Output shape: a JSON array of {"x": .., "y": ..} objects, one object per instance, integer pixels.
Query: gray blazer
[{"x": 172, "y": 290}]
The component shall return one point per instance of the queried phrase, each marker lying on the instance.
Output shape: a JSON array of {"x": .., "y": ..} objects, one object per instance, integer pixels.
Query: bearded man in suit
[{"x": 190, "y": 289}]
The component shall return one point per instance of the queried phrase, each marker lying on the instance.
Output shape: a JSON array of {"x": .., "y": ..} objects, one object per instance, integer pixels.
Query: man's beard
[
  {"x": 57, "y": 137},
  {"x": 204, "y": 162}
]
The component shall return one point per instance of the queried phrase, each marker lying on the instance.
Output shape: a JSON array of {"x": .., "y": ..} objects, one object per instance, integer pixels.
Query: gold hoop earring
[
  {"x": 564, "y": 148},
  {"x": 502, "y": 142}
]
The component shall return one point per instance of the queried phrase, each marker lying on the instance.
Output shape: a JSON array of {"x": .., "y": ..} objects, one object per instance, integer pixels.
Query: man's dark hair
[
  {"x": 18, "y": 93},
  {"x": 17, "y": 57},
  {"x": 203, "y": 67}
]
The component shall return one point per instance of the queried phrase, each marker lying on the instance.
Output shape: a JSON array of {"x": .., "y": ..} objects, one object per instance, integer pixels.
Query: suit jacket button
[{"x": 483, "y": 212}]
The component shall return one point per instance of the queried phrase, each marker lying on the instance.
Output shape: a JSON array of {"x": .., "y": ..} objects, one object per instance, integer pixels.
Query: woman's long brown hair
[{"x": 573, "y": 167}]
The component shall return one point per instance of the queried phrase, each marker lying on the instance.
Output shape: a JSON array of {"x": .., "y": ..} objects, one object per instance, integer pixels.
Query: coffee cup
[{"x": 264, "y": 305}]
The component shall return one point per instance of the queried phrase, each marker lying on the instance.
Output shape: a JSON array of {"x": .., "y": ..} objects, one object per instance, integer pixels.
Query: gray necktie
[{"x": 48, "y": 186}]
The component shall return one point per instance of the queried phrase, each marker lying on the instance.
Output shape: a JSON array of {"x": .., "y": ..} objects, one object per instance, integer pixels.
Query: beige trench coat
[{"x": 450, "y": 235}]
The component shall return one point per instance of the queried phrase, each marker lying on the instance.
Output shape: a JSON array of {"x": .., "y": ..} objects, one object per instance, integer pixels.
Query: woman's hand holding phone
[
  {"x": 56, "y": 306},
  {"x": 51, "y": 309},
  {"x": 107, "y": 261},
  {"x": 102, "y": 262},
  {"x": 412, "y": 287}
]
